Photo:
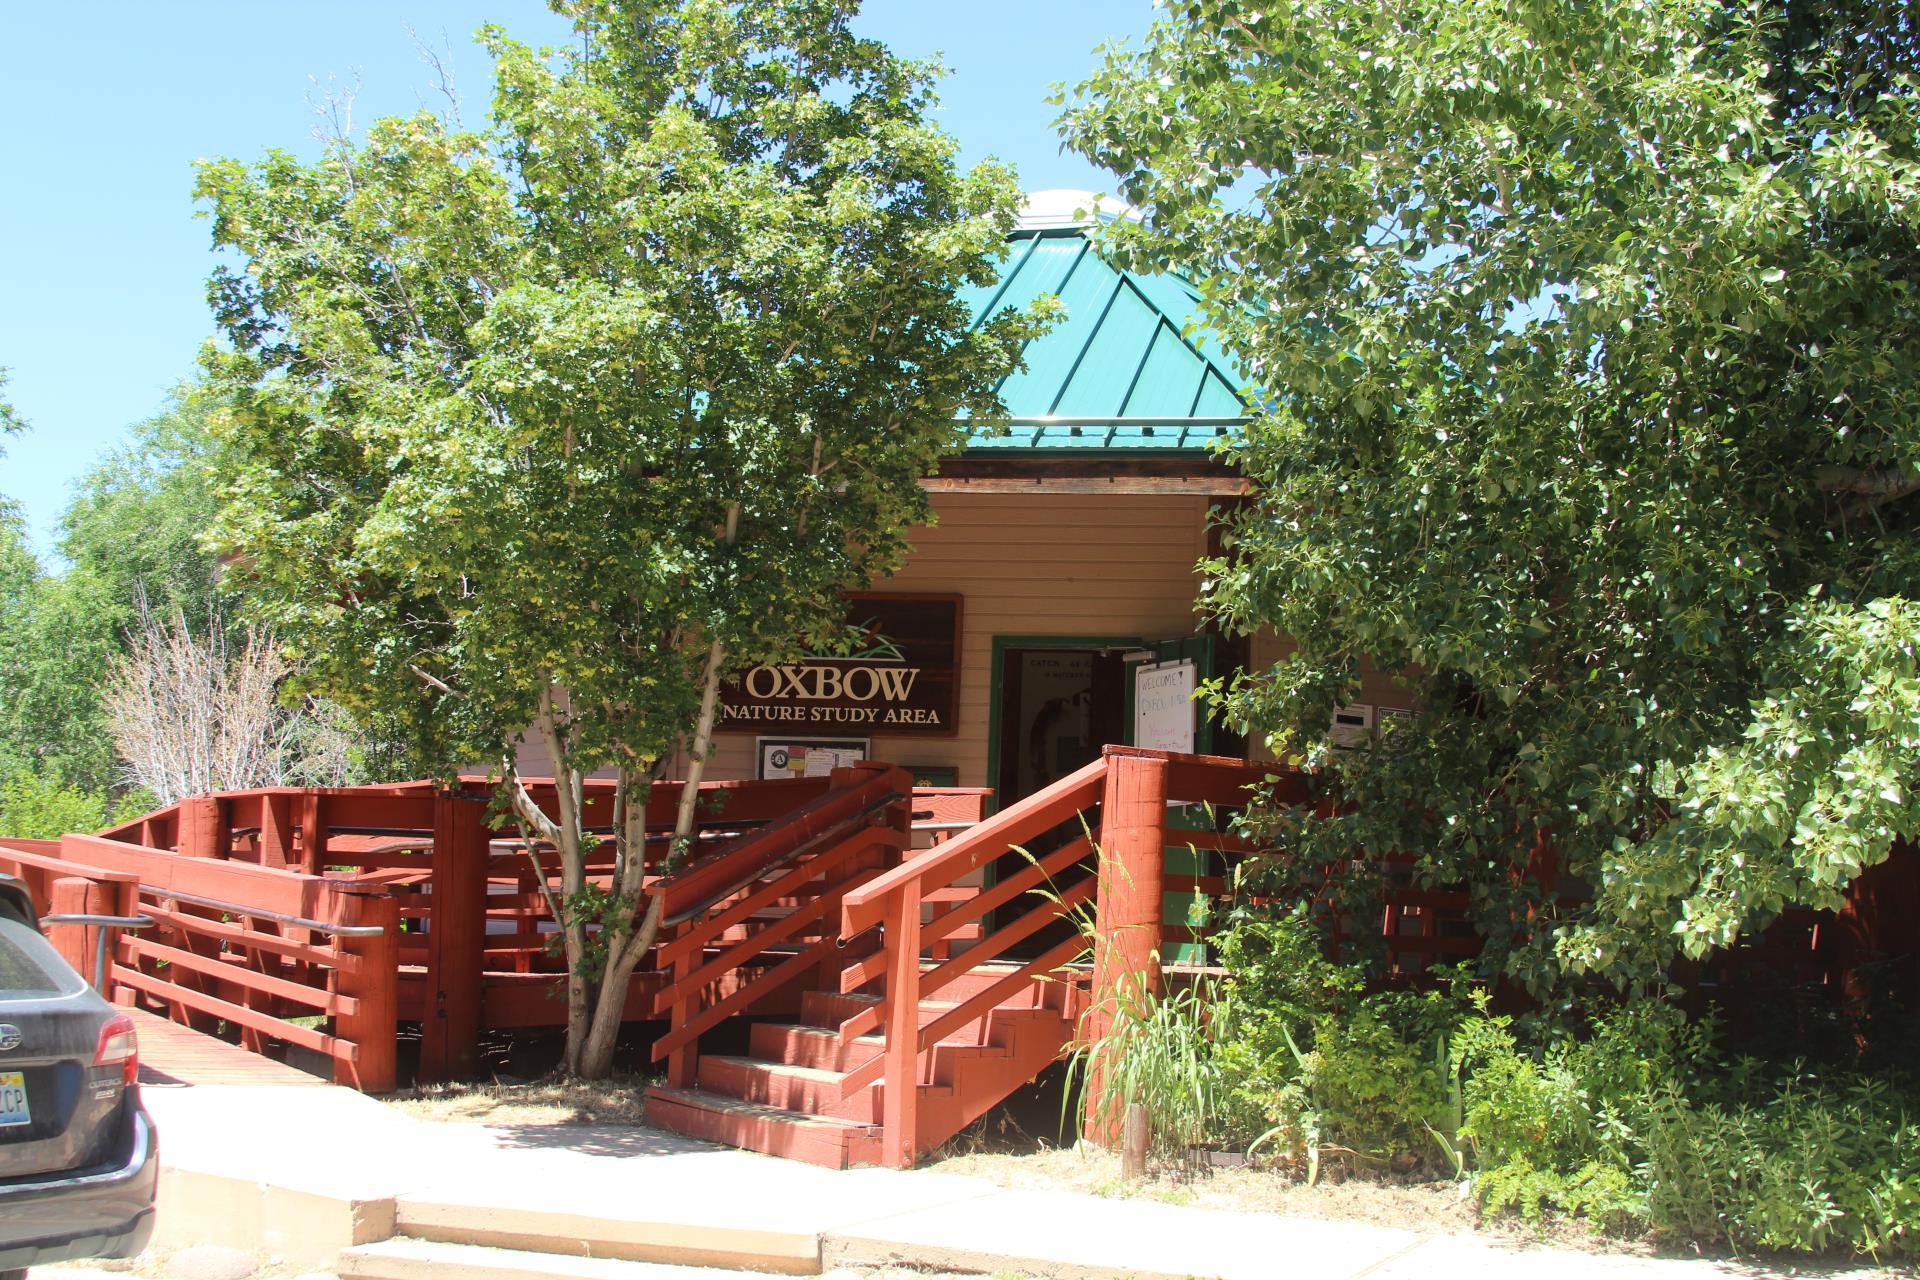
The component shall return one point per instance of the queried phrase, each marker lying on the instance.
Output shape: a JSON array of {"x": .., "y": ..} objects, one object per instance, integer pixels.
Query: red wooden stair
[
  {"x": 796, "y": 1093},
  {"x": 925, "y": 999}
]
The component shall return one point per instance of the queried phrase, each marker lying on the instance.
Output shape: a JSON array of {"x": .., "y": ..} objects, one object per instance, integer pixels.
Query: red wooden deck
[
  {"x": 321, "y": 919},
  {"x": 172, "y": 1054}
]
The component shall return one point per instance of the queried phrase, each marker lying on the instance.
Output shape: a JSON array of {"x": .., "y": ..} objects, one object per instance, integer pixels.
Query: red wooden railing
[
  {"x": 1115, "y": 901},
  {"x": 939, "y": 815},
  {"x": 475, "y": 939},
  {"x": 280, "y": 955},
  {"x": 760, "y": 914}
]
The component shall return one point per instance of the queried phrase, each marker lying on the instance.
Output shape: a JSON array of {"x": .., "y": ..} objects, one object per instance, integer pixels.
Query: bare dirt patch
[{"x": 618, "y": 1100}]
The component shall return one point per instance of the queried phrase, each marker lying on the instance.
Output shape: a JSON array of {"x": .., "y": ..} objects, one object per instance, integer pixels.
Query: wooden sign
[{"x": 902, "y": 677}]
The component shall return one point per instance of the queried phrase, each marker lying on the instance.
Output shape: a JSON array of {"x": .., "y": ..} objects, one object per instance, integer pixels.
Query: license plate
[{"x": 13, "y": 1099}]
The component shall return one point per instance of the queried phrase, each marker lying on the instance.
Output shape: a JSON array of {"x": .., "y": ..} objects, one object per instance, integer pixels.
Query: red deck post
[
  {"x": 313, "y": 832},
  {"x": 371, "y": 976},
  {"x": 205, "y": 829},
  {"x": 76, "y": 896},
  {"x": 1129, "y": 910},
  {"x": 456, "y": 938},
  {"x": 683, "y": 1064},
  {"x": 276, "y": 830}
]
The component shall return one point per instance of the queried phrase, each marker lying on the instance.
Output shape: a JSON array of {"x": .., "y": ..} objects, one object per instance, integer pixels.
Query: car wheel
[{"x": 20, "y": 1274}]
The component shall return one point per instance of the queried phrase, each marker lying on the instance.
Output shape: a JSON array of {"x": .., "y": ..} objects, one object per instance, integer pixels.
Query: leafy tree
[
  {"x": 50, "y": 730},
  {"x": 132, "y": 532},
  {"x": 55, "y": 640},
  {"x": 11, "y": 422},
  {"x": 139, "y": 518},
  {"x": 1589, "y": 337},
  {"x": 540, "y": 429}
]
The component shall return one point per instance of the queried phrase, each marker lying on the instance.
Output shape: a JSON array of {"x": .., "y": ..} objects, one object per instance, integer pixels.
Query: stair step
[
  {"x": 402, "y": 1258},
  {"x": 823, "y": 1140},
  {"x": 831, "y": 1008},
  {"x": 974, "y": 981},
  {"x": 825, "y": 1049},
  {"x": 812, "y": 1090}
]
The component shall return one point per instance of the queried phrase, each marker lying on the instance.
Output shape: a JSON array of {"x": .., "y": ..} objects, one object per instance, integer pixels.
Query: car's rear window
[{"x": 29, "y": 966}]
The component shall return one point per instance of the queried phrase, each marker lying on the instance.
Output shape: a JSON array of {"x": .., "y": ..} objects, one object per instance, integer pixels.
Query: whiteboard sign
[{"x": 1163, "y": 706}]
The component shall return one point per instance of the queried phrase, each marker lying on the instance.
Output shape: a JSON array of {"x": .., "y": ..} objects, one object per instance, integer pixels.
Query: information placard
[{"x": 808, "y": 757}]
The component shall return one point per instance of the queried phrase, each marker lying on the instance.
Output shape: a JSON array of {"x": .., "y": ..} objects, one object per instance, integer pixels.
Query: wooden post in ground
[
  {"x": 370, "y": 975},
  {"x": 1133, "y": 1151},
  {"x": 1128, "y": 912},
  {"x": 901, "y": 1100},
  {"x": 456, "y": 939}
]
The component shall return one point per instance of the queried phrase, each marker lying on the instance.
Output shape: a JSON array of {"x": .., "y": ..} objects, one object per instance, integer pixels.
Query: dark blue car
[{"x": 77, "y": 1153}]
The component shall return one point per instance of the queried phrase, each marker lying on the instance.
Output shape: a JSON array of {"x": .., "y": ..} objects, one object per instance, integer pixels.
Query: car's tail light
[{"x": 119, "y": 1047}]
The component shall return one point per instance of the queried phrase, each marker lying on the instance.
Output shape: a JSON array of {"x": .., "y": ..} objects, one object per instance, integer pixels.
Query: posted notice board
[{"x": 1163, "y": 706}]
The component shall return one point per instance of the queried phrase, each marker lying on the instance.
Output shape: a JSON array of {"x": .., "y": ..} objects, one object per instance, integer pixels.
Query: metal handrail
[
  {"x": 105, "y": 924},
  {"x": 297, "y": 922}
]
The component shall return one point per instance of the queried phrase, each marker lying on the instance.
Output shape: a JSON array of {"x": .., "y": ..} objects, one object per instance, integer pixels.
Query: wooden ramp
[{"x": 173, "y": 1055}]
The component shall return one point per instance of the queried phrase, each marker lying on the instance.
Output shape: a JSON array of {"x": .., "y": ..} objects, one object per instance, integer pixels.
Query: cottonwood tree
[
  {"x": 1590, "y": 335},
  {"x": 543, "y": 427}
]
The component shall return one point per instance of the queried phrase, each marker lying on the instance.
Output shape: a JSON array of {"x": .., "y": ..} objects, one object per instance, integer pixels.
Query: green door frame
[{"x": 994, "y": 692}]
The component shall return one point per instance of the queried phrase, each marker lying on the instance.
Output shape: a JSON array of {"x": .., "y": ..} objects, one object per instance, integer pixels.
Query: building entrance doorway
[
  {"x": 1058, "y": 706},
  {"x": 1057, "y": 702}
]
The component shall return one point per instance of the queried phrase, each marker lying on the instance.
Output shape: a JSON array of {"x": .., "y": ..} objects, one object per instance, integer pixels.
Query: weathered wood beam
[{"x": 1204, "y": 486}]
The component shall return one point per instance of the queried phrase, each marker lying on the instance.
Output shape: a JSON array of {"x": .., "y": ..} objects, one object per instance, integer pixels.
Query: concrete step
[
  {"x": 403, "y": 1258},
  {"x": 828, "y": 1141},
  {"x": 676, "y": 1225}
]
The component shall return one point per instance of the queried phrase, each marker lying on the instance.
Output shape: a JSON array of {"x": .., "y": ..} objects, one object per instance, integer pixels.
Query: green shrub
[
  {"x": 1639, "y": 1125},
  {"x": 1330, "y": 1068},
  {"x": 1636, "y": 1125},
  {"x": 33, "y": 807},
  {"x": 1785, "y": 1160}
]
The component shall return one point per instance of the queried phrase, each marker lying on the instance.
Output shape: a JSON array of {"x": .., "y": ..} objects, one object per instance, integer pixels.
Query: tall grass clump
[{"x": 1158, "y": 1050}]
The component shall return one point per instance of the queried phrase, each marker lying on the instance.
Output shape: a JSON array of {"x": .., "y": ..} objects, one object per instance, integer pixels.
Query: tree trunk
[
  {"x": 596, "y": 1058},
  {"x": 630, "y": 944},
  {"x": 702, "y": 743},
  {"x": 596, "y": 1011},
  {"x": 565, "y": 834},
  {"x": 688, "y": 811}
]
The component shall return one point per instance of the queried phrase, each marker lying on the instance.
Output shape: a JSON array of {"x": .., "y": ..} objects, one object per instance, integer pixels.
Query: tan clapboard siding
[{"x": 1028, "y": 564}]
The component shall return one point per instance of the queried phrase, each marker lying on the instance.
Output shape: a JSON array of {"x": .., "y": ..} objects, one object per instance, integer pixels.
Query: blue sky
[{"x": 103, "y": 265}]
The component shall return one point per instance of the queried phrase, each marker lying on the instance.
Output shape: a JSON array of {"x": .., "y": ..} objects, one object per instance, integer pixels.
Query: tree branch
[
  {"x": 1871, "y": 488},
  {"x": 1877, "y": 485}
]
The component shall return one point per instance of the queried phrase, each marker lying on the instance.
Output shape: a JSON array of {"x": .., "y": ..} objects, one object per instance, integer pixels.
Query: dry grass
[
  {"x": 619, "y": 1100},
  {"x": 1426, "y": 1207}
]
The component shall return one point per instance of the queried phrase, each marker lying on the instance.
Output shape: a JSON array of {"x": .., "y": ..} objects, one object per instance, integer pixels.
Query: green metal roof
[{"x": 1118, "y": 371}]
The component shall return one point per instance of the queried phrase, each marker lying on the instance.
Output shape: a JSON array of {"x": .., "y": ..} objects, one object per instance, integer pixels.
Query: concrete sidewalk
[{"x": 305, "y": 1173}]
